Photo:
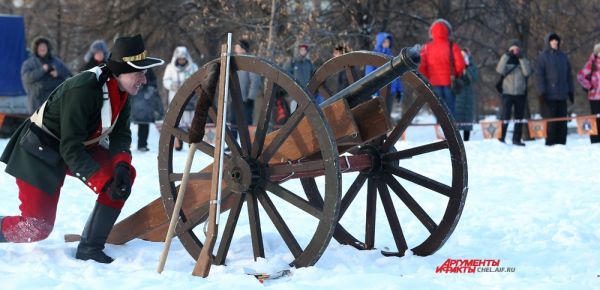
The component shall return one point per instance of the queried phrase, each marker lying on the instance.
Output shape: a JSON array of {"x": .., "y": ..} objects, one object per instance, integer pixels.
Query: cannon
[{"x": 300, "y": 179}]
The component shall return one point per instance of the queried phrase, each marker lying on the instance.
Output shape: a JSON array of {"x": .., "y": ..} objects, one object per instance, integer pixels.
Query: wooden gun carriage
[{"x": 302, "y": 178}]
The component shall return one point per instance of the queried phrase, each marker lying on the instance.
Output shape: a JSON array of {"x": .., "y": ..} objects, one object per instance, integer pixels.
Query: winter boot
[
  {"x": 2, "y": 238},
  {"x": 95, "y": 233}
]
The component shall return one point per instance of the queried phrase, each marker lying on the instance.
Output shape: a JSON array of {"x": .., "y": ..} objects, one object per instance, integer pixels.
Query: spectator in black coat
[
  {"x": 339, "y": 80},
  {"x": 554, "y": 82},
  {"x": 146, "y": 108}
]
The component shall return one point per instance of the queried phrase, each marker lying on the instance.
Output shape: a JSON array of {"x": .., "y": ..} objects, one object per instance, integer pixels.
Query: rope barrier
[
  {"x": 481, "y": 123},
  {"x": 516, "y": 121}
]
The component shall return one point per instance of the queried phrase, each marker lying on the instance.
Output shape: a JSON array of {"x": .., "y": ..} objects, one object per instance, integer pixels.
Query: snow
[{"x": 534, "y": 208}]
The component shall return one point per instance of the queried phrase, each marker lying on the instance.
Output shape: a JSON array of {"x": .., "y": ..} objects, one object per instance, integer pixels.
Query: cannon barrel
[{"x": 407, "y": 60}]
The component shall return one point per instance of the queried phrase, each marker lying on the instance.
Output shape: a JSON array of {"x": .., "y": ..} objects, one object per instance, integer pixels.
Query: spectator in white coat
[{"x": 177, "y": 71}]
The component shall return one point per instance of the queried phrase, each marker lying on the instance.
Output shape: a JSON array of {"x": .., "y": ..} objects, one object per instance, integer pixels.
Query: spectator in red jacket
[{"x": 437, "y": 60}]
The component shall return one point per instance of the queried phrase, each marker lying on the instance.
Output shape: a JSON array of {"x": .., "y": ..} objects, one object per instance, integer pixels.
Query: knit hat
[
  {"x": 129, "y": 55},
  {"x": 553, "y": 36},
  {"x": 514, "y": 42},
  {"x": 597, "y": 48}
]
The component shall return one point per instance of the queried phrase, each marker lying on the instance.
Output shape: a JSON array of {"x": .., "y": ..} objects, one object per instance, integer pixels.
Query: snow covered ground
[{"x": 535, "y": 209}]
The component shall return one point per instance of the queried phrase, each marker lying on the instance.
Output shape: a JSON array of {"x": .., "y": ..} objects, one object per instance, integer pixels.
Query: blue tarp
[{"x": 12, "y": 54}]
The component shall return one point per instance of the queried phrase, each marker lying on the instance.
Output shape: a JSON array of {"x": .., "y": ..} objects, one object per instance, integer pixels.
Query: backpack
[{"x": 501, "y": 80}]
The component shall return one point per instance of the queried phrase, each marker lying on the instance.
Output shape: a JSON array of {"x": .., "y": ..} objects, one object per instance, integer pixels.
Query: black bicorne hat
[{"x": 130, "y": 55}]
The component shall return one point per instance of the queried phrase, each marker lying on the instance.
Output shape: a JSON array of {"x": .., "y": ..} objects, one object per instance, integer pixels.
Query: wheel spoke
[
  {"x": 385, "y": 92},
  {"x": 350, "y": 75},
  {"x": 352, "y": 192},
  {"x": 412, "y": 205},
  {"x": 312, "y": 192},
  {"x": 263, "y": 120},
  {"x": 177, "y": 133},
  {"x": 233, "y": 145},
  {"x": 200, "y": 214},
  {"x": 390, "y": 212},
  {"x": 206, "y": 148},
  {"x": 420, "y": 180},
  {"x": 403, "y": 123},
  {"x": 255, "y": 229},
  {"x": 325, "y": 91},
  {"x": 284, "y": 132},
  {"x": 239, "y": 111},
  {"x": 280, "y": 225},
  {"x": 234, "y": 214},
  {"x": 423, "y": 149},
  {"x": 194, "y": 219},
  {"x": 371, "y": 211},
  {"x": 294, "y": 199}
]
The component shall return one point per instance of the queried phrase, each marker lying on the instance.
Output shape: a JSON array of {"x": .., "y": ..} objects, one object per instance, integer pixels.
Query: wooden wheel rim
[
  {"x": 457, "y": 191},
  {"x": 306, "y": 256}
]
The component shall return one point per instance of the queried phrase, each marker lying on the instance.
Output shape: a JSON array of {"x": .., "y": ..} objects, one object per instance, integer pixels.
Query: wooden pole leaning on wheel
[
  {"x": 178, "y": 204},
  {"x": 205, "y": 258},
  {"x": 203, "y": 105}
]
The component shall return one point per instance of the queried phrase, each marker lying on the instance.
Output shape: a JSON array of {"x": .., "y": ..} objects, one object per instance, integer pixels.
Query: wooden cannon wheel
[
  {"x": 269, "y": 202},
  {"x": 425, "y": 229}
]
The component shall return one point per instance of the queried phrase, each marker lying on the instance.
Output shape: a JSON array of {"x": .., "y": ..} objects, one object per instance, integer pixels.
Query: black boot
[
  {"x": 95, "y": 233},
  {"x": 2, "y": 238}
]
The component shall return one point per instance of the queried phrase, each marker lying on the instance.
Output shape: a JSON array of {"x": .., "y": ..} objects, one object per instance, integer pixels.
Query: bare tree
[{"x": 275, "y": 27}]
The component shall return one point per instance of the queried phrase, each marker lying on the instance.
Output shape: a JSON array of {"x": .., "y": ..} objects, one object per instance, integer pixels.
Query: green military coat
[{"x": 73, "y": 114}]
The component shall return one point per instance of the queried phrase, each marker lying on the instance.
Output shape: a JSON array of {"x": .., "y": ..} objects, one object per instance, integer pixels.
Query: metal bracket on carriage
[{"x": 280, "y": 172}]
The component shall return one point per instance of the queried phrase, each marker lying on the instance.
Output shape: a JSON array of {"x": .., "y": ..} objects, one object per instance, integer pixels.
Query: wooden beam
[
  {"x": 303, "y": 141},
  {"x": 372, "y": 119}
]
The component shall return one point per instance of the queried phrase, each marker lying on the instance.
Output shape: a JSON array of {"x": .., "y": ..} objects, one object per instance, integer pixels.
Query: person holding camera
[
  {"x": 515, "y": 69},
  {"x": 41, "y": 73}
]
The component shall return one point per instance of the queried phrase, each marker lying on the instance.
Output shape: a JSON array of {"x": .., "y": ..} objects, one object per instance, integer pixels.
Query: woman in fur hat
[
  {"x": 96, "y": 55},
  {"x": 41, "y": 73}
]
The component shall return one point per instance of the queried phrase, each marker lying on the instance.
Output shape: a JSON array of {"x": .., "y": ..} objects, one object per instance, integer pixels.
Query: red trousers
[{"x": 38, "y": 208}]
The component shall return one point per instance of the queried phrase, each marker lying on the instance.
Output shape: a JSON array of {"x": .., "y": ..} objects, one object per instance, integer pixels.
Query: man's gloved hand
[
  {"x": 571, "y": 97},
  {"x": 120, "y": 186}
]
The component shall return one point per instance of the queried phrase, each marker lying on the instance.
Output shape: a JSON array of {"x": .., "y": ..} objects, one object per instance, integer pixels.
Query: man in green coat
[{"x": 81, "y": 130}]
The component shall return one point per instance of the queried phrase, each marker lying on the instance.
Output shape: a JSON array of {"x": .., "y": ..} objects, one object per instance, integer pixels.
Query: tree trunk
[
  {"x": 270, "y": 53},
  {"x": 524, "y": 39}
]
